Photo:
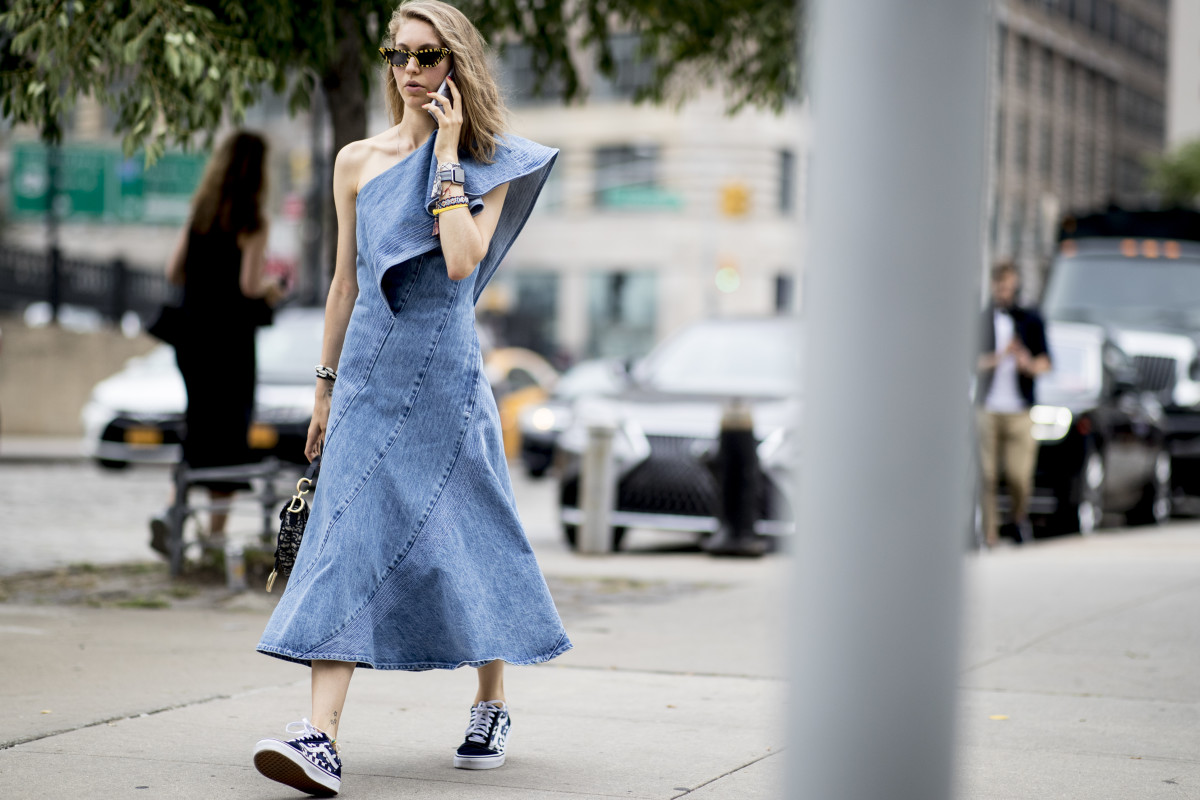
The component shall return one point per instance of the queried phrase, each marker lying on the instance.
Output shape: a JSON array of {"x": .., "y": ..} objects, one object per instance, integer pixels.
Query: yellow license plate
[
  {"x": 262, "y": 437},
  {"x": 143, "y": 437}
]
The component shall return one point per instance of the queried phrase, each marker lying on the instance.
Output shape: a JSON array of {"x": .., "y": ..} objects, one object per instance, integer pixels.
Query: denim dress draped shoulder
[{"x": 414, "y": 557}]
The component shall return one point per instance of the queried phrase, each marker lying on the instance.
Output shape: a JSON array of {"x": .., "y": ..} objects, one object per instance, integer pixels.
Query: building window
[
  {"x": 787, "y": 181},
  {"x": 1001, "y": 51},
  {"x": 1089, "y": 93},
  {"x": 520, "y": 309},
  {"x": 1016, "y": 225},
  {"x": 1081, "y": 11},
  {"x": 626, "y": 175},
  {"x": 622, "y": 306},
  {"x": 785, "y": 293},
  {"x": 1000, "y": 137},
  {"x": 633, "y": 71},
  {"x": 1023, "y": 58},
  {"x": 520, "y": 79},
  {"x": 1104, "y": 16},
  {"x": 1047, "y": 78},
  {"x": 1021, "y": 145},
  {"x": 1086, "y": 168},
  {"x": 552, "y": 198},
  {"x": 1045, "y": 152},
  {"x": 1068, "y": 166}
]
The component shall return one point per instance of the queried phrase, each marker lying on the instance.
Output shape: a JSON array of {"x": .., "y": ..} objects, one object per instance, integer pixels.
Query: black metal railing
[{"x": 110, "y": 287}]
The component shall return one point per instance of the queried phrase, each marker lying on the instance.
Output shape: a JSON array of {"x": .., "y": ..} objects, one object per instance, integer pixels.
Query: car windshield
[
  {"x": 289, "y": 349},
  {"x": 1075, "y": 375},
  {"x": 754, "y": 358},
  {"x": 589, "y": 378},
  {"x": 1109, "y": 289}
]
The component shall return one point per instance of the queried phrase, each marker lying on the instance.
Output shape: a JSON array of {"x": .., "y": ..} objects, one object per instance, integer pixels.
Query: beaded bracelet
[
  {"x": 326, "y": 373},
  {"x": 447, "y": 202},
  {"x": 447, "y": 205}
]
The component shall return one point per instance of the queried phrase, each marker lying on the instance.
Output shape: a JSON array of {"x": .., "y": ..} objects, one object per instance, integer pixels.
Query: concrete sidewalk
[
  {"x": 1080, "y": 679},
  {"x": 673, "y": 688},
  {"x": 43, "y": 449}
]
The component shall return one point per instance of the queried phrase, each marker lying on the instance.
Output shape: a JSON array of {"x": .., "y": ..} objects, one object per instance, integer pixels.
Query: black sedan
[
  {"x": 1102, "y": 450},
  {"x": 668, "y": 417}
]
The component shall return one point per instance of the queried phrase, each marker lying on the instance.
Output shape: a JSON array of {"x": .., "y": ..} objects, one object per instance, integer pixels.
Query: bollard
[
  {"x": 739, "y": 478},
  {"x": 176, "y": 516},
  {"x": 235, "y": 567},
  {"x": 597, "y": 485}
]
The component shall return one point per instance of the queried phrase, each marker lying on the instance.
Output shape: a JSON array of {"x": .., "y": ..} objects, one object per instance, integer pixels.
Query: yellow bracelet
[{"x": 437, "y": 211}]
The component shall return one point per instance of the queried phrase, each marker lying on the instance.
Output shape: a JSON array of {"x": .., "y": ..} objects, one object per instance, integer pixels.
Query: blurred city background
[{"x": 646, "y": 328}]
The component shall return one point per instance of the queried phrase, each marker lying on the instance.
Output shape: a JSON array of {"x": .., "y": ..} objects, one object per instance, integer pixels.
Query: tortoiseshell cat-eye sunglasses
[{"x": 427, "y": 58}]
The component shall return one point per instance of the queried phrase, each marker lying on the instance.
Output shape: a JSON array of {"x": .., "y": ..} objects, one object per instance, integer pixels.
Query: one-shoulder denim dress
[{"x": 414, "y": 557}]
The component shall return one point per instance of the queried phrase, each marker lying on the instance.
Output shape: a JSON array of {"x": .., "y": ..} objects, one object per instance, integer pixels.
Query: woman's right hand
[{"x": 320, "y": 420}]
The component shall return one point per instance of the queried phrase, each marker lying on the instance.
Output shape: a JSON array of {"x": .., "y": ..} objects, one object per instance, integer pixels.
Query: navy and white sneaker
[
  {"x": 308, "y": 763},
  {"x": 487, "y": 736}
]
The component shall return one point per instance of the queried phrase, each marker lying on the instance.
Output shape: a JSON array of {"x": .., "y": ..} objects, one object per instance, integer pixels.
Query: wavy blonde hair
[{"x": 483, "y": 110}]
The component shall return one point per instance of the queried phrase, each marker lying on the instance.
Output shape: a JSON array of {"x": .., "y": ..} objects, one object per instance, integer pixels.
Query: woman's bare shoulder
[{"x": 351, "y": 156}]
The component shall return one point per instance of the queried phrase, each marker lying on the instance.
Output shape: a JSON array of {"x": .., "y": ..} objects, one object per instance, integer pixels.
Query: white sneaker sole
[
  {"x": 277, "y": 761},
  {"x": 478, "y": 762}
]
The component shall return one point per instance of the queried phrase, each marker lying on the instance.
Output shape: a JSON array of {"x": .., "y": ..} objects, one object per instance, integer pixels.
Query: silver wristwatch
[{"x": 451, "y": 173}]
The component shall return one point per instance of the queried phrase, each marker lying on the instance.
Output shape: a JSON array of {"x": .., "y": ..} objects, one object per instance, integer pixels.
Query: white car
[{"x": 136, "y": 415}]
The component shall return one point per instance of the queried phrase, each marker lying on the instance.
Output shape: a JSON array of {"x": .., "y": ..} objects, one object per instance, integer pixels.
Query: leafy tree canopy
[
  {"x": 1176, "y": 175},
  {"x": 174, "y": 68}
]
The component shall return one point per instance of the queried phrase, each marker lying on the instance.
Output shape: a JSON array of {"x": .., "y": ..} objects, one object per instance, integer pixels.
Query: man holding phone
[{"x": 1013, "y": 354}]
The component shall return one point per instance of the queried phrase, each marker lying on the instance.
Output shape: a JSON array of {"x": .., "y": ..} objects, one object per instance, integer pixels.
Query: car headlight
[
  {"x": 545, "y": 419},
  {"x": 542, "y": 419},
  {"x": 1050, "y": 423}
]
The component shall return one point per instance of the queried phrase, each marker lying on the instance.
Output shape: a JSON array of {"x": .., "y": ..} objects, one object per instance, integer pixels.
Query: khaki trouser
[{"x": 1008, "y": 437}]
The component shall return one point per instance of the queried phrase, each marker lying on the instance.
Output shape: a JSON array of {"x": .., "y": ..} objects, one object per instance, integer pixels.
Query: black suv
[{"x": 1140, "y": 271}]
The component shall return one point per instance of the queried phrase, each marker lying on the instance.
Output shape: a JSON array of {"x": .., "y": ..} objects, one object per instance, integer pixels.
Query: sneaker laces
[
  {"x": 309, "y": 732},
  {"x": 483, "y": 716},
  {"x": 305, "y": 728}
]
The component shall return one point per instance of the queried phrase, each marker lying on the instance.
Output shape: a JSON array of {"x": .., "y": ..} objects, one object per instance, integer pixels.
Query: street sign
[{"x": 97, "y": 183}]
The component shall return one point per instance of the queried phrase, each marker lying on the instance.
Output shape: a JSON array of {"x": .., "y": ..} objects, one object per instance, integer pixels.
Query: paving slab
[
  {"x": 577, "y": 733},
  {"x": 1080, "y": 674}
]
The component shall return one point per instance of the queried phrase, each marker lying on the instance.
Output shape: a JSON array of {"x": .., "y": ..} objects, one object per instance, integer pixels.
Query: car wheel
[
  {"x": 1154, "y": 507},
  {"x": 1086, "y": 515},
  {"x": 108, "y": 463},
  {"x": 571, "y": 534}
]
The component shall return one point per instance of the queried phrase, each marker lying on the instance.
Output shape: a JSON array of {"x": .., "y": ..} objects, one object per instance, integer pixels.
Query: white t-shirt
[{"x": 1004, "y": 396}]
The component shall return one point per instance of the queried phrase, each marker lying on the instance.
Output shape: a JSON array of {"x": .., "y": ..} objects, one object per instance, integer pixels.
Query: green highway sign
[{"x": 96, "y": 183}]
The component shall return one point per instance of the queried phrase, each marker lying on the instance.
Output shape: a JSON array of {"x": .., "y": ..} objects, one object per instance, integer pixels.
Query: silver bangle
[{"x": 326, "y": 373}]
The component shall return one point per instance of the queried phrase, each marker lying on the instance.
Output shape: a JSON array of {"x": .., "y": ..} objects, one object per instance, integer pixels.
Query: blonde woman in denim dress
[{"x": 414, "y": 557}]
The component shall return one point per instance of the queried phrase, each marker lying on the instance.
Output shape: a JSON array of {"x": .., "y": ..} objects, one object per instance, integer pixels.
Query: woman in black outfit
[{"x": 218, "y": 261}]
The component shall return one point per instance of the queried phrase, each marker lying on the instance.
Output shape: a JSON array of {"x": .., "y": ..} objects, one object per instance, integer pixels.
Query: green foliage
[
  {"x": 749, "y": 46},
  {"x": 171, "y": 68},
  {"x": 166, "y": 67},
  {"x": 1176, "y": 175}
]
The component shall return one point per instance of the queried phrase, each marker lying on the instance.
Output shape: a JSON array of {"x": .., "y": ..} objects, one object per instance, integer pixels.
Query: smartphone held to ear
[{"x": 444, "y": 91}]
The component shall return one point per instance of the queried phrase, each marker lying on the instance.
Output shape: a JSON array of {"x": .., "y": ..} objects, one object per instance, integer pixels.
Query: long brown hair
[
  {"x": 232, "y": 191},
  {"x": 483, "y": 110}
]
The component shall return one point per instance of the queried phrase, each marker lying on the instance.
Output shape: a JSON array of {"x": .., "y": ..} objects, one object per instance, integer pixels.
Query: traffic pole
[{"x": 890, "y": 296}]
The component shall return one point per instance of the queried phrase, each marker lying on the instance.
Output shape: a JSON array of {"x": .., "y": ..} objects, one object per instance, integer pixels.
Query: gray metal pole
[
  {"x": 597, "y": 491},
  {"x": 898, "y": 93}
]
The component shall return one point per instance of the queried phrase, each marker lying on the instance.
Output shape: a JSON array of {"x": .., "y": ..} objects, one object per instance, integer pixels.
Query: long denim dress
[{"x": 414, "y": 557}]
